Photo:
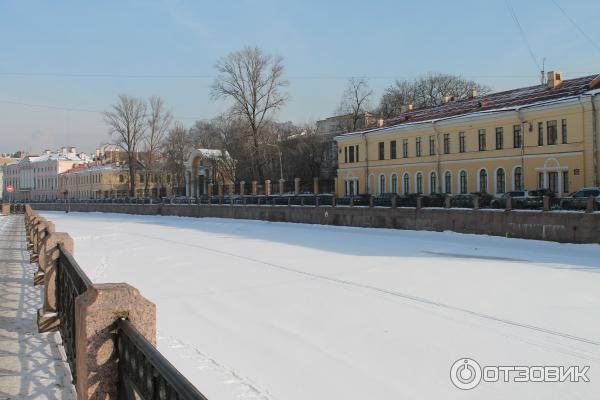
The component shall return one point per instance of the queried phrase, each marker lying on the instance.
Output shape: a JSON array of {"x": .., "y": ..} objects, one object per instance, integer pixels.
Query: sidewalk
[{"x": 32, "y": 364}]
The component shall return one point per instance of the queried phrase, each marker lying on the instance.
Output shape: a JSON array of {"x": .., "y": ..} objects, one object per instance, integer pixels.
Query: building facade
[
  {"x": 35, "y": 178},
  {"x": 543, "y": 136},
  {"x": 207, "y": 167}
]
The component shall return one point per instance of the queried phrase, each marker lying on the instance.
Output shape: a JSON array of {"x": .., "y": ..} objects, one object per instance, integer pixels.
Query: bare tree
[
  {"x": 127, "y": 123},
  {"x": 356, "y": 102},
  {"x": 159, "y": 120},
  {"x": 426, "y": 91},
  {"x": 254, "y": 82},
  {"x": 177, "y": 147}
]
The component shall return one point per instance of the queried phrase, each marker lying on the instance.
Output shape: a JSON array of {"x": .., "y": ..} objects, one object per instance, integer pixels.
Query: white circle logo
[{"x": 465, "y": 373}]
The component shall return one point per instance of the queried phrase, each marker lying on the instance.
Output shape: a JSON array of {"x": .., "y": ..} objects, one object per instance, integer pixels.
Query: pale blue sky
[{"x": 83, "y": 54}]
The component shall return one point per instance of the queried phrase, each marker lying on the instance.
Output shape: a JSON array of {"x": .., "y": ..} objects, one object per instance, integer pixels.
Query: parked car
[
  {"x": 578, "y": 200},
  {"x": 517, "y": 197},
  {"x": 485, "y": 199}
]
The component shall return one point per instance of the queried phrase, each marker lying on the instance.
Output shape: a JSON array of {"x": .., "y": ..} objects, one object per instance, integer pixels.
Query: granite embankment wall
[{"x": 569, "y": 227}]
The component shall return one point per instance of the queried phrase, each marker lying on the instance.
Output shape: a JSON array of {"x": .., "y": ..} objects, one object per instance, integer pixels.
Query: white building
[{"x": 36, "y": 177}]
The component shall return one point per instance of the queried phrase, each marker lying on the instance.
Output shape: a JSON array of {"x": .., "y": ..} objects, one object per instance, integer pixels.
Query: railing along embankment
[{"x": 108, "y": 330}]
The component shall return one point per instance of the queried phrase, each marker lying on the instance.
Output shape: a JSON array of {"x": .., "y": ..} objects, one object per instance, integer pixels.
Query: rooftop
[{"x": 509, "y": 99}]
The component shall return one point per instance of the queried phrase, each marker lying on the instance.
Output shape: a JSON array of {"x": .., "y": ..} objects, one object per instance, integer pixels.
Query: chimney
[
  {"x": 445, "y": 99},
  {"x": 380, "y": 121},
  {"x": 473, "y": 93},
  {"x": 409, "y": 107},
  {"x": 554, "y": 79}
]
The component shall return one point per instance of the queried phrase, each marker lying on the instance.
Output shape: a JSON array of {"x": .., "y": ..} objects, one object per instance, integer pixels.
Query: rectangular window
[
  {"x": 356, "y": 154},
  {"x": 405, "y": 148},
  {"x": 351, "y": 154},
  {"x": 393, "y": 150},
  {"x": 565, "y": 179},
  {"x": 481, "y": 139},
  {"x": 517, "y": 138},
  {"x": 564, "y": 131},
  {"x": 552, "y": 132},
  {"x": 431, "y": 145},
  {"x": 540, "y": 180},
  {"x": 418, "y": 147},
  {"x": 540, "y": 133},
  {"x": 346, "y": 154},
  {"x": 446, "y": 143},
  {"x": 381, "y": 150},
  {"x": 499, "y": 138},
  {"x": 461, "y": 142}
]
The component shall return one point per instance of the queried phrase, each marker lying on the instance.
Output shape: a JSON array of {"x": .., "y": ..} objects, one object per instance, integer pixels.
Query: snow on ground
[{"x": 252, "y": 309}]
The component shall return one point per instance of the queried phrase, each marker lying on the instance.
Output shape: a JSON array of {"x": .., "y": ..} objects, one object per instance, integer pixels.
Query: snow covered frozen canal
[{"x": 251, "y": 309}]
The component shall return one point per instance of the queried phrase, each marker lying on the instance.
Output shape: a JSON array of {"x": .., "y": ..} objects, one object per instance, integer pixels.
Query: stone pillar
[
  {"x": 509, "y": 203},
  {"x": 590, "y": 204},
  {"x": 419, "y": 202},
  {"x": 210, "y": 189},
  {"x": 254, "y": 188},
  {"x": 546, "y": 203},
  {"x": 302, "y": 201},
  {"x": 47, "y": 319},
  {"x": 289, "y": 201},
  {"x": 187, "y": 184},
  {"x": 394, "y": 201},
  {"x": 317, "y": 201},
  {"x": 5, "y": 208},
  {"x": 230, "y": 188},
  {"x": 316, "y": 185},
  {"x": 220, "y": 189},
  {"x": 268, "y": 187},
  {"x": 448, "y": 202},
  {"x": 371, "y": 201},
  {"x": 281, "y": 186},
  {"x": 333, "y": 201},
  {"x": 296, "y": 186},
  {"x": 475, "y": 202},
  {"x": 96, "y": 314},
  {"x": 242, "y": 187}
]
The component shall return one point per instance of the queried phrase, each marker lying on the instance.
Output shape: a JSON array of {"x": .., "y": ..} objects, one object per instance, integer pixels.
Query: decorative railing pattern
[
  {"x": 144, "y": 373},
  {"x": 71, "y": 282}
]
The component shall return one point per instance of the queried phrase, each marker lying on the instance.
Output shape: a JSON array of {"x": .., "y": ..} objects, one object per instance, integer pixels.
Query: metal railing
[
  {"x": 71, "y": 281},
  {"x": 144, "y": 373}
]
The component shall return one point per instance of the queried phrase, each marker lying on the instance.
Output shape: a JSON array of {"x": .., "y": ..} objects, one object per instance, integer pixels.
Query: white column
[
  {"x": 545, "y": 182},
  {"x": 187, "y": 183},
  {"x": 559, "y": 186}
]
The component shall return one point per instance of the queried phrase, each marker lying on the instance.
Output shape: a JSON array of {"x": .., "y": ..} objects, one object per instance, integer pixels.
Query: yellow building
[
  {"x": 543, "y": 136},
  {"x": 91, "y": 181}
]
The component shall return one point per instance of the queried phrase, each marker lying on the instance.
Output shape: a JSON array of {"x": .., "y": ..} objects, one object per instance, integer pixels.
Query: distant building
[
  {"x": 36, "y": 177},
  {"x": 542, "y": 136},
  {"x": 6, "y": 159},
  {"x": 207, "y": 167}
]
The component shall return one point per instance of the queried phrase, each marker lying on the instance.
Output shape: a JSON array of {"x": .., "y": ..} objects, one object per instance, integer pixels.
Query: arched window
[
  {"x": 432, "y": 182},
  {"x": 121, "y": 179},
  {"x": 500, "y": 181},
  {"x": 483, "y": 181},
  {"x": 518, "y": 178},
  {"x": 394, "y": 183},
  {"x": 448, "y": 182},
  {"x": 463, "y": 182},
  {"x": 381, "y": 184},
  {"x": 406, "y": 185},
  {"x": 419, "y": 182}
]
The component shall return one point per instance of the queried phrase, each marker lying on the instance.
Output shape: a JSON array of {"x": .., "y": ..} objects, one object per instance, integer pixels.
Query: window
[
  {"x": 381, "y": 184},
  {"x": 381, "y": 150},
  {"x": 553, "y": 182},
  {"x": 356, "y": 153},
  {"x": 518, "y": 178},
  {"x": 483, "y": 181},
  {"x": 461, "y": 142},
  {"x": 481, "y": 139},
  {"x": 565, "y": 177},
  {"x": 564, "y": 131},
  {"x": 418, "y": 147},
  {"x": 552, "y": 132},
  {"x": 394, "y": 185},
  {"x": 463, "y": 182},
  {"x": 346, "y": 154},
  {"x": 432, "y": 182},
  {"x": 141, "y": 178},
  {"x": 393, "y": 150},
  {"x": 419, "y": 182},
  {"x": 406, "y": 184},
  {"x": 500, "y": 181},
  {"x": 499, "y": 138},
  {"x": 540, "y": 180},
  {"x": 431, "y": 145},
  {"x": 351, "y": 154},
  {"x": 405, "y": 148},
  {"x": 540, "y": 133},
  {"x": 121, "y": 179},
  {"x": 448, "y": 182},
  {"x": 446, "y": 143},
  {"x": 517, "y": 136}
]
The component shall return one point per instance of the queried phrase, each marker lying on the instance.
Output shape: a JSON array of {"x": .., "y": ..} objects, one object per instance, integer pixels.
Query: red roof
[{"x": 499, "y": 100}]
